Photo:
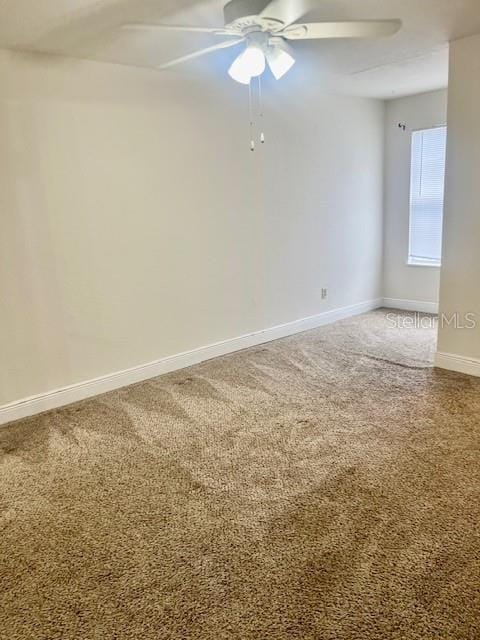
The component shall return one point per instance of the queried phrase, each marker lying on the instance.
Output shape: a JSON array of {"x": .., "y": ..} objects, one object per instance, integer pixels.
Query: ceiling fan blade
[
  {"x": 143, "y": 26},
  {"x": 202, "y": 52},
  {"x": 287, "y": 11},
  {"x": 358, "y": 29}
]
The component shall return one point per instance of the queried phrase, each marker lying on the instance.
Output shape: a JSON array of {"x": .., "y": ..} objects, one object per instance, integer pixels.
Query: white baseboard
[
  {"x": 461, "y": 364},
  {"x": 82, "y": 390},
  {"x": 411, "y": 305}
]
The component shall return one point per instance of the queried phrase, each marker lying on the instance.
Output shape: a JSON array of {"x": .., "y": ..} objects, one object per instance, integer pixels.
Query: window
[{"x": 426, "y": 196}]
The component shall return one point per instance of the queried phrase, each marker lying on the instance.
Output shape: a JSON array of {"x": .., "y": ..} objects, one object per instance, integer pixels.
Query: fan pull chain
[
  {"x": 253, "y": 109},
  {"x": 260, "y": 109},
  {"x": 250, "y": 111}
]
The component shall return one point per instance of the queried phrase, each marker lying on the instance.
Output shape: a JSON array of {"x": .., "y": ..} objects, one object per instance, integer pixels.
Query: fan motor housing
[{"x": 245, "y": 14}]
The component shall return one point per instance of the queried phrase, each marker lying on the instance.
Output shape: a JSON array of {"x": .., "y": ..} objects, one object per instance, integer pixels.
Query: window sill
[{"x": 413, "y": 263}]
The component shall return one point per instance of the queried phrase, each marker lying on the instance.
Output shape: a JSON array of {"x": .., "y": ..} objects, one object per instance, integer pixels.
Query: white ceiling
[{"x": 412, "y": 61}]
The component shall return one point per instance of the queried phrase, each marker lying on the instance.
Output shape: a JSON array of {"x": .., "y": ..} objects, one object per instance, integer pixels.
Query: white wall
[
  {"x": 136, "y": 223},
  {"x": 460, "y": 276},
  {"x": 402, "y": 281}
]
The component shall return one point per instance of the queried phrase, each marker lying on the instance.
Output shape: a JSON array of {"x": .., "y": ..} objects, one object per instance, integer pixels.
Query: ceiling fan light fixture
[
  {"x": 280, "y": 60},
  {"x": 249, "y": 64}
]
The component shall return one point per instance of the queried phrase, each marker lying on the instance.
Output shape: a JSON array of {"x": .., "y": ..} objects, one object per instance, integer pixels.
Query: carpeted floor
[{"x": 324, "y": 486}]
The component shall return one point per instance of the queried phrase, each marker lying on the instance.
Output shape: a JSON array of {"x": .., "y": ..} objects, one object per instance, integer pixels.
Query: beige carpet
[{"x": 325, "y": 486}]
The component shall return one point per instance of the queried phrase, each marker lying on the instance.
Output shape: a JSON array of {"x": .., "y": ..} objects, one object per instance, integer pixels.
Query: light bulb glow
[
  {"x": 254, "y": 60},
  {"x": 249, "y": 64},
  {"x": 280, "y": 61},
  {"x": 239, "y": 71}
]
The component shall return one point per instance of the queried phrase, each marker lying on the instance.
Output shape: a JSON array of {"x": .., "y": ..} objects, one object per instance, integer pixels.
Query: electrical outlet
[{"x": 324, "y": 294}]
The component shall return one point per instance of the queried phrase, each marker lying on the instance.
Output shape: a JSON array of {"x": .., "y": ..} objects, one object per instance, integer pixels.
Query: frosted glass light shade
[
  {"x": 280, "y": 60},
  {"x": 248, "y": 65}
]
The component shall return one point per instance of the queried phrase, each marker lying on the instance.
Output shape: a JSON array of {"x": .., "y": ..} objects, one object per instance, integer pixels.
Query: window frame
[{"x": 419, "y": 262}]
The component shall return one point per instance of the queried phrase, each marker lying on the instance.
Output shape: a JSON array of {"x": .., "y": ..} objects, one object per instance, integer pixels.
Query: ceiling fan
[{"x": 266, "y": 28}]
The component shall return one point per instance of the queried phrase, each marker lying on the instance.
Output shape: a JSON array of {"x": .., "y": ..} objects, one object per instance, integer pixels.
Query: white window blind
[{"x": 427, "y": 187}]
